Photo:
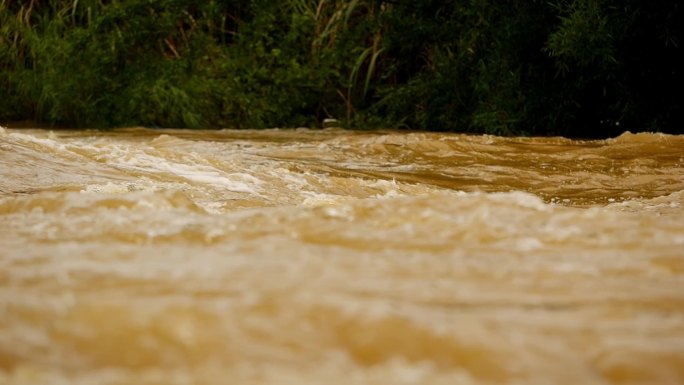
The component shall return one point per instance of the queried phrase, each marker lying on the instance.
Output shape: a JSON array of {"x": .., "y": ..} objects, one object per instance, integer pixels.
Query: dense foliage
[{"x": 571, "y": 67}]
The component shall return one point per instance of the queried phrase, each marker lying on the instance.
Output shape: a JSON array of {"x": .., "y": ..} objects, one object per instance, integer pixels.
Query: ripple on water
[{"x": 301, "y": 257}]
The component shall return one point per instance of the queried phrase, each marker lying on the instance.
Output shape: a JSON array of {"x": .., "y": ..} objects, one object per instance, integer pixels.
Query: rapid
[{"x": 141, "y": 256}]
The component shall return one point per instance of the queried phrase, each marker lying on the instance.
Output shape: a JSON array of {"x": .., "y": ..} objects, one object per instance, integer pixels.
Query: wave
[{"x": 184, "y": 257}]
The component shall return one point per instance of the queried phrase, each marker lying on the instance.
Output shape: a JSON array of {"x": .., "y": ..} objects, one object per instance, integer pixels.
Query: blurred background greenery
[{"x": 581, "y": 68}]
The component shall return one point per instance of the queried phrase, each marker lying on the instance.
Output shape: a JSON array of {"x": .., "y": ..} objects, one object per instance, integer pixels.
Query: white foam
[
  {"x": 522, "y": 199},
  {"x": 109, "y": 188},
  {"x": 48, "y": 142},
  {"x": 320, "y": 199},
  {"x": 528, "y": 244},
  {"x": 116, "y": 188},
  {"x": 204, "y": 174}
]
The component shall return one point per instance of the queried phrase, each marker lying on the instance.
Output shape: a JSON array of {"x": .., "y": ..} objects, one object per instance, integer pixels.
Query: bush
[{"x": 571, "y": 67}]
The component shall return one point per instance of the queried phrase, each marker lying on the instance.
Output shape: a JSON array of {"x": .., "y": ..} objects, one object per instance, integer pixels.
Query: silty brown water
[{"x": 327, "y": 256}]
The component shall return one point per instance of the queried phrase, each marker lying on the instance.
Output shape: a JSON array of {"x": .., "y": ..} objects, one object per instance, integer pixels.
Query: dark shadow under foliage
[{"x": 582, "y": 68}]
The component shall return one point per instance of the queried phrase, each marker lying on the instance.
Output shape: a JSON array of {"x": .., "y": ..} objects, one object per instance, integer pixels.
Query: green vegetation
[{"x": 570, "y": 67}]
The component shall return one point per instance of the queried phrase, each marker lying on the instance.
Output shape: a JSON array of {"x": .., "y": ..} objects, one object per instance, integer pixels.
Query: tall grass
[{"x": 574, "y": 67}]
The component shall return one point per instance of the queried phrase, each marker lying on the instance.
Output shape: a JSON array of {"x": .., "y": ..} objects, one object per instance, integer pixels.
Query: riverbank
[{"x": 572, "y": 68}]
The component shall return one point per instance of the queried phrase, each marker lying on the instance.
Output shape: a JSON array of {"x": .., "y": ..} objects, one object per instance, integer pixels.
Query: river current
[{"x": 143, "y": 256}]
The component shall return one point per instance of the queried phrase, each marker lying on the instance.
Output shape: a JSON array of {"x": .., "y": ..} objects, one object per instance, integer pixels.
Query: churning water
[{"x": 311, "y": 257}]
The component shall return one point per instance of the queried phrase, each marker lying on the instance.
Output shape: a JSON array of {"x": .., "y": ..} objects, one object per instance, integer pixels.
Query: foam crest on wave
[
  {"x": 628, "y": 137},
  {"x": 434, "y": 222}
]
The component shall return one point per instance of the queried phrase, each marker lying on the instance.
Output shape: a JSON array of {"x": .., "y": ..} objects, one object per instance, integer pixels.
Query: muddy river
[{"x": 333, "y": 257}]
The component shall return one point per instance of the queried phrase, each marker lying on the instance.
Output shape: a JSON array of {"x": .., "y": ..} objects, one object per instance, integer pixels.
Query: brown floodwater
[{"x": 333, "y": 257}]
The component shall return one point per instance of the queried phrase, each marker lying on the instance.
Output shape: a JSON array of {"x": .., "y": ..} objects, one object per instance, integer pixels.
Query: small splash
[
  {"x": 662, "y": 205},
  {"x": 641, "y": 137},
  {"x": 115, "y": 188}
]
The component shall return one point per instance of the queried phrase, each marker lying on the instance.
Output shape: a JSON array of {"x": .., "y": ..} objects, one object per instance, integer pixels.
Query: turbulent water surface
[{"x": 334, "y": 257}]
